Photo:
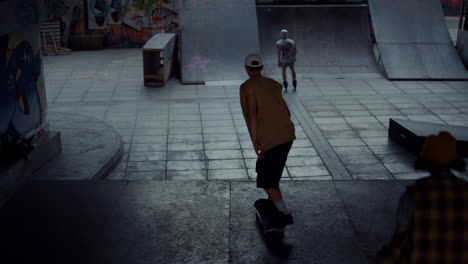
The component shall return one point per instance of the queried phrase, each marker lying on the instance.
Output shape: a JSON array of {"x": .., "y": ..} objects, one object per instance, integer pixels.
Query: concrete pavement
[
  {"x": 193, "y": 222},
  {"x": 197, "y": 132}
]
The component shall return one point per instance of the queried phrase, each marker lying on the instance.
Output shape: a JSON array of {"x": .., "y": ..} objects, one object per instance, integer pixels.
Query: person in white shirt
[{"x": 287, "y": 57}]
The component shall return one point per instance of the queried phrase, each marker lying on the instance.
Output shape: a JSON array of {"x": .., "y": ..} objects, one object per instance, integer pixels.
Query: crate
[{"x": 158, "y": 59}]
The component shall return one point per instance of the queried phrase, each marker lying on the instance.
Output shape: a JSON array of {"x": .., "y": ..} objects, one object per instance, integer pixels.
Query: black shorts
[{"x": 270, "y": 168}]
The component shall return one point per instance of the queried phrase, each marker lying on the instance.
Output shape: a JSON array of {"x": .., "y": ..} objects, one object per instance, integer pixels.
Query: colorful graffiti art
[
  {"x": 97, "y": 14},
  {"x": 130, "y": 23},
  {"x": 162, "y": 17},
  {"x": 21, "y": 89},
  {"x": 115, "y": 13}
]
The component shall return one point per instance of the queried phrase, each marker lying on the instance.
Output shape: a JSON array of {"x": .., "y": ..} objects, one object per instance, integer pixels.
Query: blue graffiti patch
[
  {"x": 20, "y": 107},
  {"x": 27, "y": 13}
]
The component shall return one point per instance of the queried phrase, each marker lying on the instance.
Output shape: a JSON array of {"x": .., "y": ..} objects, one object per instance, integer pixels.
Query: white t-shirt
[{"x": 287, "y": 50}]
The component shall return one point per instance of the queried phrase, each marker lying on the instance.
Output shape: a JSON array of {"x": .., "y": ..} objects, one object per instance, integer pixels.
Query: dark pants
[{"x": 270, "y": 168}]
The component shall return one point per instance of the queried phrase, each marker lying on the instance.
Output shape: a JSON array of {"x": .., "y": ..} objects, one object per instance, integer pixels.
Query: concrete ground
[
  {"x": 184, "y": 187},
  {"x": 193, "y": 222},
  {"x": 197, "y": 132}
]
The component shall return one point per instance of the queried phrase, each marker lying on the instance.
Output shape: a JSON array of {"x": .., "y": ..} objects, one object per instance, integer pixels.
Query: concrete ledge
[
  {"x": 90, "y": 149},
  {"x": 112, "y": 161},
  {"x": 13, "y": 177}
]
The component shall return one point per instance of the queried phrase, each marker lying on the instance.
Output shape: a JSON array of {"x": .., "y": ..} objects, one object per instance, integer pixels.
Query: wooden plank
[
  {"x": 155, "y": 84},
  {"x": 44, "y": 46},
  {"x": 154, "y": 76},
  {"x": 54, "y": 43},
  {"x": 168, "y": 71},
  {"x": 49, "y": 27}
]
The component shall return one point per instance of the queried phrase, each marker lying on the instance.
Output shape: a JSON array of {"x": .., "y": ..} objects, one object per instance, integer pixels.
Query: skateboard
[{"x": 265, "y": 214}]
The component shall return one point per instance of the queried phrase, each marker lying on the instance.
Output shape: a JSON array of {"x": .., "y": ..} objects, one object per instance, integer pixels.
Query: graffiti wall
[
  {"x": 67, "y": 12},
  {"x": 123, "y": 23},
  {"x": 131, "y": 23},
  {"x": 22, "y": 91}
]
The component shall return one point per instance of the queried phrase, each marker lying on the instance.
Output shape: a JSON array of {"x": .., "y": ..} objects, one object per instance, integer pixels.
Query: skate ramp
[
  {"x": 413, "y": 40},
  {"x": 216, "y": 37},
  {"x": 330, "y": 41}
]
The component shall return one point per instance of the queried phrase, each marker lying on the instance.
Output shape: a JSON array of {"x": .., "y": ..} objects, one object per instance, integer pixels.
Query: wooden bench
[{"x": 158, "y": 58}]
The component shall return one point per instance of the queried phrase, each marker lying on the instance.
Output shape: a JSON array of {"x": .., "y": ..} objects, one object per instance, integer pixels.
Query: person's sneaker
[
  {"x": 294, "y": 85},
  {"x": 286, "y": 219}
]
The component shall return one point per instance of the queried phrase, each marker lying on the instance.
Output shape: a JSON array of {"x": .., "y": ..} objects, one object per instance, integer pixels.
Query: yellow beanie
[{"x": 440, "y": 149}]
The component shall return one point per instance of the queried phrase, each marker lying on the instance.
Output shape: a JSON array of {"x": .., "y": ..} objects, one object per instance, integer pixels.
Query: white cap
[
  {"x": 253, "y": 60},
  {"x": 284, "y": 33}
]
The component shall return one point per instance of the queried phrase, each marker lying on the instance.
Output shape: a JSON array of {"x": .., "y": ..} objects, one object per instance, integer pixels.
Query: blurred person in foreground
[{"x": 432, "y": 214}]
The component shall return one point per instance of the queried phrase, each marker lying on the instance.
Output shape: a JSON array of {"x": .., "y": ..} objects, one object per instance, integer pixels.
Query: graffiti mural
[
  {"x": 22, "y": 91},
  {"x": 115, "y": 13},
  {"x": 131, "y": 23},
  {"x": 97, "y": 14},
  {"x": 162, "y": 17}
]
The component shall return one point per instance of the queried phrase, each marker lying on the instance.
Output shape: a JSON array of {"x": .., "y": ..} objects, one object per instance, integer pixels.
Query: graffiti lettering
[{"x": 198, "y": 62}]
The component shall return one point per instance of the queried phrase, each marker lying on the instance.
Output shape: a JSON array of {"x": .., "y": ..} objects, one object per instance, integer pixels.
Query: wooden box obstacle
[
  {"x": 412, "y": 134},
  {"x": 51, "y": 39},
  {"x": 158, "y": 59}
]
